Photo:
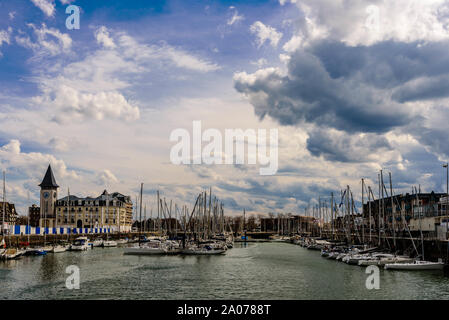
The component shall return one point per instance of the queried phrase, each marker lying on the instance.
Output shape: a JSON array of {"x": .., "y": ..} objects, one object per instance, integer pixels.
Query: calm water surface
[{"x": 252, "y": 271}]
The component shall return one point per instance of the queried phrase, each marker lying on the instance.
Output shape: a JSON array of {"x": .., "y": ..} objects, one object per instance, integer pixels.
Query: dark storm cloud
[
  {"x": 343, "y": 147},
  {"x": 354, "y": 89},
  {"x": 308, "y": 93},
  {"x": 386, "y": 64},
  {"x": 423, "y": 89}
]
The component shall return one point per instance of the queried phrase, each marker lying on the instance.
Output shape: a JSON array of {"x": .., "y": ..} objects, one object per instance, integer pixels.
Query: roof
[
  {"x": 104, "y": 196},
  {"x": 49, "y": 180}
]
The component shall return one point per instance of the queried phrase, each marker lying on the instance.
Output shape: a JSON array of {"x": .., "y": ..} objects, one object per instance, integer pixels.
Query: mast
[
  {"x": 369, "y": 209},
  {"x": 319, "y": 214},
  {"x": 383, "y": 203},
  {"x": 348, "y": 216},
  {"x": 107, "y": 214},
  {"x": 393, "y": 212},
  {"x": 144, "y": 218},
  {"x": 28, "y": 223},
  {"x": 332, "y": 215},
  {"x": 210, "y": 204},
  {"x": 68, "y": 209},
  {"x": 140, "y": 210},
  {"x": 420, "y": 223},
  {"x": 363, "y": 212},
  {"x": 4, "y": 203},
  {"x": 158, "y": 221},
  {"x": 378, "y": 206}
]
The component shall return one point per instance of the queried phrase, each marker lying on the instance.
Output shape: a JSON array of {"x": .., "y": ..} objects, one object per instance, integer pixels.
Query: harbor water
[{"x": 248, "y": 271}]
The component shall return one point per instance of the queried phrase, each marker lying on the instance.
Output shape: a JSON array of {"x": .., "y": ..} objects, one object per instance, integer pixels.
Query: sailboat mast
[
  {"x": 383, "y": 202},
  {"x": 393, "y": 212},
  {"x": 363, "y": 212},
  {"x": 332, "y": 215},
  {"x": 378, "y": 206},
  {"x": 140, "y": 207},
  {"x": 369, "y": 209},
  {"x": 4, "y": 202},
  {"x": 420, "y": 223}
]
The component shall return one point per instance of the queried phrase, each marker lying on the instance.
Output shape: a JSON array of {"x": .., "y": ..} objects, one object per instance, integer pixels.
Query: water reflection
[{"x": 248, "y": 271}]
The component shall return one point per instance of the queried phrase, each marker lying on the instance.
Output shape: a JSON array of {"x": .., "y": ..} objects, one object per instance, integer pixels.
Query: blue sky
[{"x": 352, "y": 88}]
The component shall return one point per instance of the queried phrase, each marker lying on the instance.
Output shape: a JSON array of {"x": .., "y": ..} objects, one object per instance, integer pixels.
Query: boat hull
[
  {"x": 414, "y": 266},
  {"x": 203, "y": 252},
  {"x": 144, "y": 251}
]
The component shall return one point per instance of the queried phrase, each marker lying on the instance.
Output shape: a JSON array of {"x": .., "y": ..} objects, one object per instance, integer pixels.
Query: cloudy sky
[{"x": 352, "y": 87}]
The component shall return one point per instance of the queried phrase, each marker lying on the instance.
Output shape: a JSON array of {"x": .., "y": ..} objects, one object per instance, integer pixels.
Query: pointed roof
[{"x": 49, "y": 180}]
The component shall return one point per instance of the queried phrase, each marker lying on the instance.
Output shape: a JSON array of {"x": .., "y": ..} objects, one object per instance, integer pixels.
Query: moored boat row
[{"x": 364, "y": 256}]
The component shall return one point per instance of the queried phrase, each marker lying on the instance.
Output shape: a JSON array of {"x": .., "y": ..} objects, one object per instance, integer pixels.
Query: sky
[{"x": 352, "y": 87}]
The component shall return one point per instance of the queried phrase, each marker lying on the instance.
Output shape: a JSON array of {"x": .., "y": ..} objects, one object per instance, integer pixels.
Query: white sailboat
[
  {"x": 109, "y": 243},
  {"x": 59, "y": 248},
  {"x": 152, "y": 247},
  {"x": 205, "y": 249},
  {"x": 97, "y": 242},
  {"x": 417, "y": 265}
]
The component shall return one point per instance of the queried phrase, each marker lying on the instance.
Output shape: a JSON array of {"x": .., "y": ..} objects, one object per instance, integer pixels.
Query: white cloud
[
  {"x": 265, "y": 33},
  {"x": 235, "y": 17},
  {"x": 102, "y": 36},
  {"x": 106, "y": 178},
  {"x": 144, "y": 53},
  {"x": 49, "y": 41},
  {"x": 282, "y": 2},
  {"x": 32, "y": 164},
  {"x": 260, "y": 62},
  {"x": 12, "y": 15},
  {"x": 185, "y": 60},
  {"x": 5, "y": 37},
  {"x": 47, "y": 6},
  {"x": 74, "y": 105},
  {"x": 367, "y": 22}
]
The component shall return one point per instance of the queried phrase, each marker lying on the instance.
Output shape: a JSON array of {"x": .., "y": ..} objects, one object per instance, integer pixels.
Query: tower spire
[{"x": 49, "y": 180}]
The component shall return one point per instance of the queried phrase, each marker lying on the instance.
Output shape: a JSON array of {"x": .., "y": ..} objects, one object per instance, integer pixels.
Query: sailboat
[
  {"x": 59, "y": 248},
  {"x": 151, "y": 247},
  {"x": 205, "y": 249},
  {"x": 418, "y": 264}
]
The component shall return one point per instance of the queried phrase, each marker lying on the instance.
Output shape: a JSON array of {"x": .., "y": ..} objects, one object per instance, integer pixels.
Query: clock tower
[{"x": 49, "y": 194}]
